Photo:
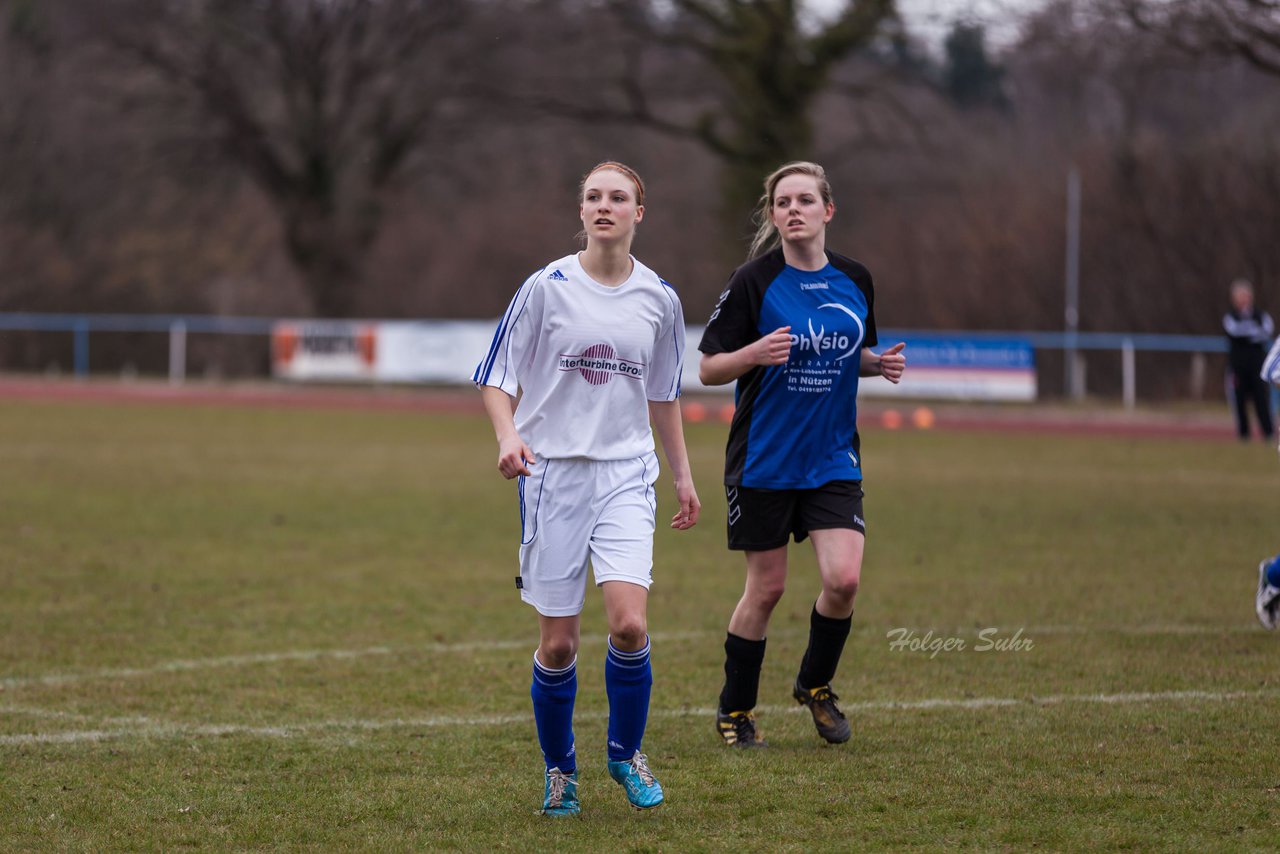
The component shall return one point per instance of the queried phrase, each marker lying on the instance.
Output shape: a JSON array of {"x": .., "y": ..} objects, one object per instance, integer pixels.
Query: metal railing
[{"x": 178, "y": 326}]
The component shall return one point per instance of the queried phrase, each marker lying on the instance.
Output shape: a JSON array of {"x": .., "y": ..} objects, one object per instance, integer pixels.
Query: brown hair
[
  {"x": 626, "y": 170},
  {"x": 766, "y": 233}
]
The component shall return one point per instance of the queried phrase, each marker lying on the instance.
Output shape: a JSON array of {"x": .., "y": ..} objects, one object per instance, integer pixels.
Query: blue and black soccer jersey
[{"x": 795, "y": 426}]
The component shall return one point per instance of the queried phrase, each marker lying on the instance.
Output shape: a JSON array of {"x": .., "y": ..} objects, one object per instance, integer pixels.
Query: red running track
[{"x": 874, "y": 415}]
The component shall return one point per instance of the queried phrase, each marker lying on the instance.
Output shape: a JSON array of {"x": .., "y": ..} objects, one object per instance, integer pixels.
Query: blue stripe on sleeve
[
  {"x": 677, "y": 333},
  {"x": 1269, "y": 367},
  {"x": 485, "y": 368},
  {"x": 486, "y": 364}
]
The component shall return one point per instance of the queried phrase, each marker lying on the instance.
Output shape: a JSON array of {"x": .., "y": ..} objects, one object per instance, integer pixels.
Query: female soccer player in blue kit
[
  {"x": 1267, "y": 602},
  {"x": 594, "y": 344},
  {"x": 793, "y": 328}
]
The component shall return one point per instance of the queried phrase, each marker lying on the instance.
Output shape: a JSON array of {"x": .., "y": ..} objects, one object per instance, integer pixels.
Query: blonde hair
[{"x": 766, "y": 233}]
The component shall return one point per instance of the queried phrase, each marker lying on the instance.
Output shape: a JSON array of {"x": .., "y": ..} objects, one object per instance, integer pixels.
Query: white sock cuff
[
  {"x": 563, "y": 671},
  {"x": 630, "y": 657}
]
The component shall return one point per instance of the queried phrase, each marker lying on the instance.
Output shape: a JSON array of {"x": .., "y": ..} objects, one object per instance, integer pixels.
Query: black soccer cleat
[
  {"x": 738, "y": 729},
  {"x": 827, "y": 717}
]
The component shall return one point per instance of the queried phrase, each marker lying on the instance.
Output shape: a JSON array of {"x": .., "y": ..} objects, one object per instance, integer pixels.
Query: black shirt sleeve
[
  {"x": 861, "y": 277},
  {"x": 735, "y": 322}
]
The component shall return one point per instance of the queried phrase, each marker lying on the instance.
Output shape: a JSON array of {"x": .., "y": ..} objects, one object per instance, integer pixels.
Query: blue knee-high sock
[
  {"x": 1273, "y": 572},
  {"x": 553, "y": 693},
  {"x": 628, "y": 679}
]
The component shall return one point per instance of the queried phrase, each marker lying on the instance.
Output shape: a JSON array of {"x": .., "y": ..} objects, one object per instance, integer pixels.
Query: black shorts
[{"x": 763, "y": 519}]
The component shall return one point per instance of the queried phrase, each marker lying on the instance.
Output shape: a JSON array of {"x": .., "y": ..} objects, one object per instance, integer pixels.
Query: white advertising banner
[
  {"x": 439, "y": 351},
  {"x": 338, "y": 351},
  {"x": 379, "y": 351},
  {"x": 447, "y": 352},
  {"x": 945, "y": 368}
]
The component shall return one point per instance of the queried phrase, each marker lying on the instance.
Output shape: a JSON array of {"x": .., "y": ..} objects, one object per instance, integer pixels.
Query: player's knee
[
  {"x": 767, "y": 595},
  {"x": 843, "y": 586},
  {"x": 629, "y": 632},
  {"x": 557, "y": 653}
]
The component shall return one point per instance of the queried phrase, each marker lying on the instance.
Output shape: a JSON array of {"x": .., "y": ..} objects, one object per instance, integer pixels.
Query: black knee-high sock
[
  {"x": 741, "y": 673},
  {"x": 826, "y": 642}
]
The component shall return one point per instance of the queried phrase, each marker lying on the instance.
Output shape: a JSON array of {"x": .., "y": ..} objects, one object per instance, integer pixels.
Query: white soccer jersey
[
  {"x": 586, "y": 359},
  {"x": 1271, "y": 365}
]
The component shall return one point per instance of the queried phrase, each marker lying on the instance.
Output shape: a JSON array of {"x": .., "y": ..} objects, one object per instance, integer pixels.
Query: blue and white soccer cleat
[
  {"x": 560, "y": 797},
  {"x": 643, "y": 789},
  {"x": 1268, "y": 601}
]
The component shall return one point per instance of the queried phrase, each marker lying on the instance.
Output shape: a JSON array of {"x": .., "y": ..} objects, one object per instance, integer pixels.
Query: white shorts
[{"x": 575, "y": 510}]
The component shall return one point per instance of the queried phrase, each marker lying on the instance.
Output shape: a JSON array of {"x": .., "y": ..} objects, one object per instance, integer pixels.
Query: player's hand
[
  {"x": 774, "y": 348},
  {"x": 690, "y": 507},
  {"x": 514, "y": 458},
  {"x": 893, "y": 362}
]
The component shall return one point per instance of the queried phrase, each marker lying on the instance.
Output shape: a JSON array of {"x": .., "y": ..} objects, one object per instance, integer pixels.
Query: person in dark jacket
[{"x": 1249, "y": 332}]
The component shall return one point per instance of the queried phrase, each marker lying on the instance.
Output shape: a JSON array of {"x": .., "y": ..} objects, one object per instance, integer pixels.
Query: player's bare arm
[
  {"x": 665, "y": 415},
  {"x": 514, "y": 456},
  {"x": 890, "y": 364},
  {"x": 771, "y": 349}
]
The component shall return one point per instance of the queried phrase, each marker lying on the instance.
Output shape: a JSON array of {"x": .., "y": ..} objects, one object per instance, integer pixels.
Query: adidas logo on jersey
[{"x": 557, "y": 276}]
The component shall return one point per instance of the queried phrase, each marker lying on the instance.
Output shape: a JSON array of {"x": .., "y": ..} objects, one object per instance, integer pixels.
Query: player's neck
[
  {"x": 809, "y": 255},
  {"x": 608, "y": 264}
]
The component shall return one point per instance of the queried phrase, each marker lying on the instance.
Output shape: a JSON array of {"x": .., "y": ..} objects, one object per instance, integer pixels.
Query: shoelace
[
  {"x": 559, "y": 780},
  {"x": 640, "y": 763},
  {"x": 744, "y": 726},
  {"x": 826, "y": 695}
]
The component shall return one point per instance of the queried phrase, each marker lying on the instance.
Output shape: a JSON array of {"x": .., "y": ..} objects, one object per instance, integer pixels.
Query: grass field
[{"x": 268, "y": 629}]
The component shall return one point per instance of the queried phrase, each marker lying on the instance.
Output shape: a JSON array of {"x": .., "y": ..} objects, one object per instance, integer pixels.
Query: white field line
[
  {"x": 1137, "y": 631},
  {"x": 58, "y": 714},
  {"x": 121, "y": 728},
  {"x": 232, "y": 661},
  {"x": 254, "y": 659}
]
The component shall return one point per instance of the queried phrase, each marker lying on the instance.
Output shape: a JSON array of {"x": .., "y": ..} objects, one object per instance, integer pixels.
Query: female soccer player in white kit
[{"x": 594, "y": 343}]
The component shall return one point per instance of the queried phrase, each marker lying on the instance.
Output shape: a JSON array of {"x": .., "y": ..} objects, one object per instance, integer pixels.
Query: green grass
[{"x": 257, "y": 629}]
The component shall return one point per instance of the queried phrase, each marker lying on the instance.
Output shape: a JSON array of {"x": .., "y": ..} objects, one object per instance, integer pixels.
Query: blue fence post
[{"x": 81, "y": 355}]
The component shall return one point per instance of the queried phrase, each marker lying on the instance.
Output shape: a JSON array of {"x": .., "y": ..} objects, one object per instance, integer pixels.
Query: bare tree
[
  {"x": 324, "y": 105},
  {"x": 1248, "y": 29},
  {"x": 761, "y": 65},
  {"x": 1178, "y": 156}
]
